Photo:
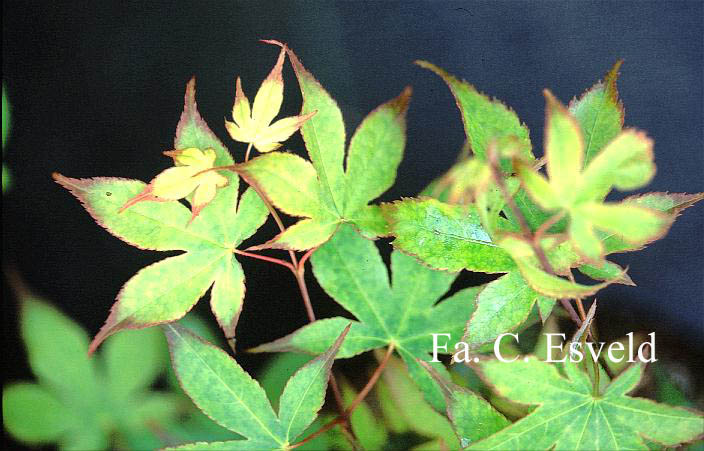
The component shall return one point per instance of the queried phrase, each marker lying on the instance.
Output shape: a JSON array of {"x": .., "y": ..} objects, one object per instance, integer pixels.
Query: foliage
[
  {"x": 168, "y": 289},
  {"x": 494, "y": 212},
  {"x": 229, "y": 396},
  {"x": 406, "y": 320},
  {"x": 571, "y": 417},
  {"x": 321, "y": 190},
  {"x": 78, "y": 402}
]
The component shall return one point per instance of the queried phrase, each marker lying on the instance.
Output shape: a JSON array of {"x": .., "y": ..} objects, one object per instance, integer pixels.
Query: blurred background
[{"x": 96, "y": 89}]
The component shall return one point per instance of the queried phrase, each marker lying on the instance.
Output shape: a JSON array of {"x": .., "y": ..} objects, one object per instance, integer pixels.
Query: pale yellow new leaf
[
  {"x": 190, "y": 175},
  {"x": 253, "y": 125}
]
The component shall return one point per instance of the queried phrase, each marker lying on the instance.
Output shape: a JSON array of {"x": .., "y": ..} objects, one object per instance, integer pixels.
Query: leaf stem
[
  {"x": 265, "y": 258},
  {"x": 305, "y": 257},
  {"x": 595, "y": 387},
  {"x": 372, "y": 380},
  {"x": 318, "y": 433},
  {"x": 300, "y": 278},
  {"x": 246, "y": 154},
  {"x": 299, "y": 273},
  {"x": 339, "y": 401},
  {"x": 580, "y": 307},
  {"x": 589, "y": 320},
  {"x": 525, "y": 230},
  {"x": 356, "y": 402},
  {"x": 278, "y": 221}
]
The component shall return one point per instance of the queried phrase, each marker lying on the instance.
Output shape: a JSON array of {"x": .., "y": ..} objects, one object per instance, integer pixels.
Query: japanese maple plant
[{"x": 533, "y": 222}]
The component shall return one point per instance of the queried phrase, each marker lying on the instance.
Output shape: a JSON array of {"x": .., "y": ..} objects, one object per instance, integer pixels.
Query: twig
[
  {"x": 337, "y": 393},
  {"x": 580, "y": 307},
  {"x": 319, "y": 432}
]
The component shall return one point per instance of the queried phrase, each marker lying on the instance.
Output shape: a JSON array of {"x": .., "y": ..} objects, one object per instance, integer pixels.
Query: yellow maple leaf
[
  {"x": 189, "y": 175},
  {"x": 253, "y": 125}
]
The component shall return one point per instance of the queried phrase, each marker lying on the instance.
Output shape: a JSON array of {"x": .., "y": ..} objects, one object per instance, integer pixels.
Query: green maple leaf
[
  {"x": 367, "y": 427},
  {"x": 670, "y": 205},
  {"x": 581, "y": 173},
  {"x": 80, "y": 402},
  {"x": 444, "y": 236},
  {"x": 273, "y": 378},
  {"x": 484, "y": 119},
  {"x": 166, "y": 290},
  {"x": 230, "y": 397},
  {"x": 474, "y": 236},
  {"x": 322, "y": 191},
  {"x": 600, "y": 113},
  {"x": 472, "y": 417},
  {"x": 403, "y": 313},
  {"x": 569, "y": 416},
  {"x": 503, "y": 305},
  {"x": 452, "y": 236}
]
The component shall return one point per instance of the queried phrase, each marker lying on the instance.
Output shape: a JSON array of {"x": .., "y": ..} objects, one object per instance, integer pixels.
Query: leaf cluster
[
  {"x": 500, "y": 210},
  {"x": 84, "y": 403}
]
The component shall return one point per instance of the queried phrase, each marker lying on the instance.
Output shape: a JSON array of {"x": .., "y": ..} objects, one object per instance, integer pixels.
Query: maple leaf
[
  {"x": 231, "y": 398},
  {"x": 190, "y": 175},
  {"x": 626, "y": 163},
  {"x": 81, "y": 402},
  {"x": 600, "y": 113},
  {"x": 168, "y": 289},
  {"x": 484, "y": 119},
  {"x": 253, "y": 124},
  {"x": 454, "y": 237},
  {"x": 472, "y": 417},
  {"x": 403, "y": 313},
  {"x": 570, "y": 416},
  {"x": 322, "y": 191}
]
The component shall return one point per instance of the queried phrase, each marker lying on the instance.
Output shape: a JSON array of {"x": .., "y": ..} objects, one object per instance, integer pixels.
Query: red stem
[
  {"x": 265, "y": 258},
  {"x": 305, "y": 257},
  {"x": 300, "y": 278}
]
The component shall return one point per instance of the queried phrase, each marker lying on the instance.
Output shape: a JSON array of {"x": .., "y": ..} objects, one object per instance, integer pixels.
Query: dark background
[{"x": 96, "y": 90}]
